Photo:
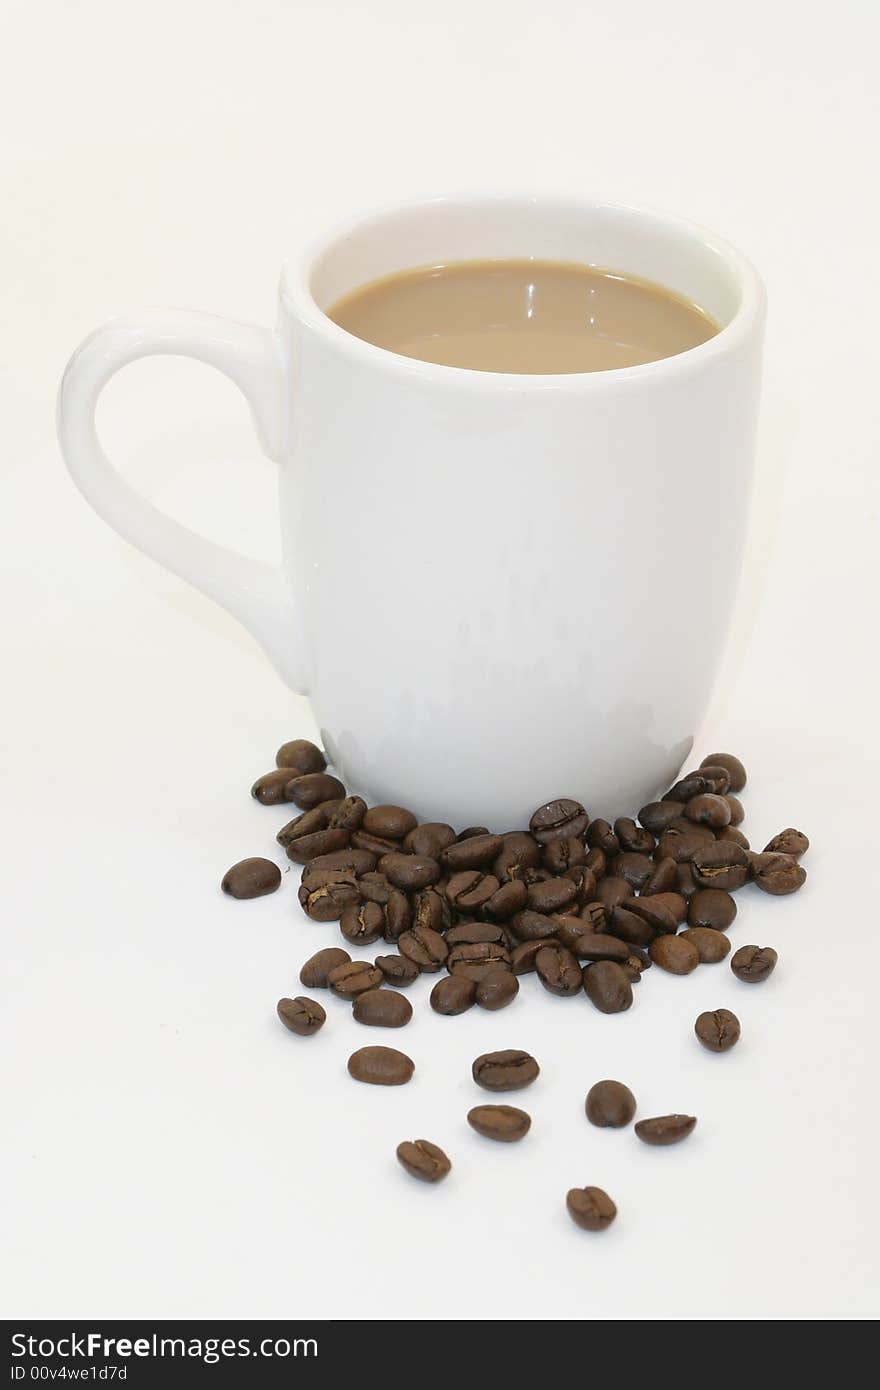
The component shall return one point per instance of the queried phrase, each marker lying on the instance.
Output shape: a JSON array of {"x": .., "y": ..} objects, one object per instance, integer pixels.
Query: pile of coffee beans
[{"x": 585, "y": 905}]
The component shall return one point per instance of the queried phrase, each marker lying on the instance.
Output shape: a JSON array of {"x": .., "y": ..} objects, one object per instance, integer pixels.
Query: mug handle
[{"x": 255, "y": 593}]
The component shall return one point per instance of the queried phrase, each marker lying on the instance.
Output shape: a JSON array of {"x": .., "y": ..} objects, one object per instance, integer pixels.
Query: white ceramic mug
[{"x": 530, "y": 578}]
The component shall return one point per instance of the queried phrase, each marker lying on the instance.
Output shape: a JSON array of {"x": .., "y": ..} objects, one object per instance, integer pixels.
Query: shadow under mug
[{"x": 531, "y": 577}]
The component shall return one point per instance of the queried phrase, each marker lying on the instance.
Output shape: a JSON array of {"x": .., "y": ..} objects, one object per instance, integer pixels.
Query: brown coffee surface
[{"x": 526, "y": 316}]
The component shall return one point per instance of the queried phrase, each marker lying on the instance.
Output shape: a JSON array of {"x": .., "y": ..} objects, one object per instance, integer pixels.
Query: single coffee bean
[
  {"x": 563, "y": 819},
  {"x": 601, "y": 836},
  {"x": 752, "y": 964},
  {"x": 722, "y": 865},
  {"x": 302, "y": 1016},
  {"x": 431, "y": 910},
  {"x": 628, "y": 927},
  {"x": 664, "y": 879},
  {"x": 595, "y": 916},
  {"x": 522, "y": 957},
  {"x": 429, "y": 839},
  {"x": 478, "y": 960},
  {"x": 423, "y": 1160},
  {"x": 690, "y": 827},
  {"x": 585, "y": 882},
  {"x": 711, "y": 907},
  {"x": 300, "y": 757},
  {"x": 310, "y": 789},
  {"x": 664, "y": 911},
  {"x": 377, "y": 845},
  {"x": 674, "y": 954},
  {"x": 718, "y": 1030},
  {"x": 251, "y": 878},
  {"x": 733, "y": 835},
  {"x": 558, "y": 970},
  {"x": 682, "y": 845},
  {"x": 685, "y": 885},
  {"x": 382, "y": 1008},
  {"x": 306, "y": 823},
  {"x": 636, "y": 869},
  {"x": 398, "y": 916},
  {"x": 708, "y": 809},
  {"x": 528, "y": 925},
  {"x": 507, "y": 899},
  {"x": 633, "y": 839},
  {"x": 389, "y": 822},
  {"x": 477, "y": 852},
  {"x": 362, "y": 925},
  {"x": 607, "y": 987},
  {"x": 411, "y": 872},
  {"x": 612, "y": 891},
  {"x": 454, "y": 994},
  {"x": 397, "y": 970},
  {"x": 657, "y": 815},
  {"x": 597, "y": 861},
  {"x": 600, "y": 946},
  {"x": 560, "y": 855},
  {"x": 501, "y": 1122},
  {"x": 707, "y": 779},
  {"x": 347, "y": 814},
  {"x": 776, "y": 873},
  {"x": 355, "y": 861},
  {"x": 737, "y": 810},
  {"x": 305, "y": 848},
  {"x": 569, "y": 929},
  {"x": 610, "y": 1105},
  {"x": 470, "y": 890},
  {"x": 497, "y": 989},
  {"x": 590, "y": 1208},
  {"x": 423, "y": 946},
  {"x": 325, "y": 901},
  {"x": 381, "y": 1066},
  {"x": 790, "y": 841},
  {"x": 554, "y": 895},
  {"x": 353, "y": 978},
  {"x": 712, "y": 946},
  {"x": 508, "y": 1070},
  {"x": 733, "y": 767},
  {"x": 635, "y": 965},
  {"x": 375, "y": 888},
  {"x": 471, "y": 832},
  {"x": 519, "y": 851},
  {"x": 317, "y": 968},
  {"x": 665, "y": 1129},
  {"x": 472, "y": 933},
  {"x": 271, "y": 788}
]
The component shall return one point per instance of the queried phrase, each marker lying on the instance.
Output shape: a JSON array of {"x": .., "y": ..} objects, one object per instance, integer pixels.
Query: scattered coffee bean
[
  {"x": 662, "y": 911},
  {"x": 664, "y": 879},
  {"x": 737, "y": 810},
  {"x": 607, "y": 987},
  {"x": 397, "y": 970},
  {"x": 377, "y": 845},
  {"x": 600, "y": 946},
  {"x": 553, "y": 895},
  {"x": 590, "y": 1208},
  {"x": 665, "y": 1129},
  {"x": 429, "y": 839},
  {"x": 636, "y": 869},
  {"x": 712, "y": 946},
  {"x": 561, "y": 855},
  {"x": 424, "y": 946},
  {"x": 304, "y": 848},
  {"x": 325, "y": 899},
  {"x": 595, "y": 916},
  {"x": 317, "y": 968},
  {"x": 251, "y": 878},
  {"x": 389, "y": 822},
  {"x": 477, "y": 852},
  {"x": 382, "y": 1008},
  {"x": 353, "y": 978},
  {"x": 422, "y": 1159},
  {"x": 299, "y": 757},
  {"x": 529, "y": 926},
  {"x": 657, "y": 815},
  {"x": 733, "y": 835},
  {"x": 302, "y": 1016},
  {"x": 675, "y": 954},
  {"x": 411, "y": 872},
  {"x": 431, "y": 910},
  {"x": 718, "y": 1030},
  {"x": 752, "y": 964},
  {"x": 601, "y": 836},
  {"x": 722, "y": 865},
  {"x": 507, "y": 899},
  {"x": 522, "y": 957},
  {"x": 685, "y": 885},
  {"x": 354, "y": 861},
  {"x": 776, "y": 873},
  {"x": 347, "y": 814},
  {"x": 630, "y": 928},
  {"x": 497, "y": 989},
  {"x": 508, "y": 1070},
  {"x": 470, "y": 890},
  {"x": 610, "y": 1105},
  {"x": 708, "y": 809},
  {"x": 362, "y": 925},
  {"x": 585, "y": 882},
  {"x": 519, "y": 852},
  {"x": 597, "y": 862},
  {"x": 682, "y": 845},
  {"x": 472, "y": 832},
  {"x": 563, "y": 819},
  {"x": 310, "y": 789},
  {"x": 707, "y": 779},
  {"x": 612, "y": 891},
  {"x": 398, "y": 916},
  {"x": 454, "y": 994},
  {"x": 793, "y": 842},
  {"x": 381, "y": 1066},
  {"x": 736, "y": 773},
  {"x": 558, "y": 970},
  {"x": 504, "y": 1123},
  {"x": 635, "y": 965},
  {"x": 711, "y": 907},
  {"x": 472, "y": 933},
  {"x": 633, "y": 838},
  {"x": 271, "y": 788},
  {"x": 478, "y": 960},
  {"x": 306, "y": 823}
]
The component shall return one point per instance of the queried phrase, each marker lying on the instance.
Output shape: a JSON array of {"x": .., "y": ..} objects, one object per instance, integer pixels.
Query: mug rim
[{"x": 296, "y": 296}]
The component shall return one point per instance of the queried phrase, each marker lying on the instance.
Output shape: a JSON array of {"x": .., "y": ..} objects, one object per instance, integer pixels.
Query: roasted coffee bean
[
  {"x": 733, "y": 835},
  {"x": 560, "y": 855},
  {"x": 507, "y": 899},
  {"x": 706, "y": 779},
  {"x": 310, "y": 789},
  {"x": 317, "y": 968},
  {"x": 381, "y": 1066},
  {"x": 590, "y": 1208},
  {"x": 595, "y": 916},
  {"x": 635, "y": 966},
  {"x": 251, "y": 878},
  {"x": 708, "y": 809},
  {"x": 636, "y": 869},
  {"x": 348, "y": 814},
  {"x": 607, "y": 987},
  {"x": 711, "y": 907},
  {"x": 271, "y": 788},
  {"x": 472, "y": 933},
  {"x": 601, "y": 836},
  {"x": 554, "y": 895},
  {"x": 423, "y": 1160},
  {"x": 633, "y": 839},
  {"x": 497, "y": 989},
  {"x": 628, "y": 927},
  {"x": 509, "y": 1070},
  {"x": 306, "y": 823},
  {"x": 363, "y": 924},
  {"x": 685, "y": 885},
  {"x": 375, "y": 888},
  {"x": 791, "y": 841},
  {"x": 454, "y": 994},
  {"x": 612, "y": 891},
  {"x": 353, "y": 978},
  {"x": 326, "y": 900},
  {"x": 431, "y": 910},
  {"x": 478, "y": 960},
  {"x": 690, "y": 827},
  {"x": 429, "y": 839},
  {"x": 682, "y": 845},
  {"x": 665, "y": 1129},
  {"x": 610, "y": 1105},
  {"x": 411, "y": 872},
  {"x": 657, "y": 815},
  {"x": 377, "y": 845},
  {"x": 424, "y": 946},
  {"x": 737, "y": 810},
  {"x": 558, "y": 970},
  {"x": 733, "y": 767},
  {"x": 569, "y": 929},
  {"x": 299, "y": 757},
  {"x": 469, "y": 891},
  {"x": 398, "y": 916},
  {"x": 663, "y": 911},
  {"x": 397, "y": 970},
  {"x": 519, "y": 851},
  {"x": 718, "y": 1030},
  {"x": 600, "y": 946},
  {"x": 585, "y": 882},
  {"x": 305, "y": 848},
  {"x": 354, "y": 861},
  {"x": 722, "y": 865},
  {"x": 389, "y": 822},
  {"x": 302, "y": 1016},
  {"x": 752, "y": 964},
  {"x": 477, "y": 852},
  {"x": 528, "y": 925},
  {"x": 776, "y": 873},
  {"x": 563, "y": 819},
  {"x": 597, "y": 862},
  {"x": 501, "y": 1122},
  {"x": 522, "y": 957},
  {"x": 712, "y": 946},
  {"x": 675, "y": 954},
  {"x": 664, "y": 879},
  {"x": 471, "y": 832},
  {"x": 382, "y": 1008}
]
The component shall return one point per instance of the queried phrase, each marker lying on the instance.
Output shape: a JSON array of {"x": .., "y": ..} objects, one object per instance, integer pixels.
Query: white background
[{"x": 172, "y": 1151}]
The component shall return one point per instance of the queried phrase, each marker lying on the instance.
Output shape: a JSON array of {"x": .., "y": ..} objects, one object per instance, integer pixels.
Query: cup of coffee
[{"x": 515, "y": 438}]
